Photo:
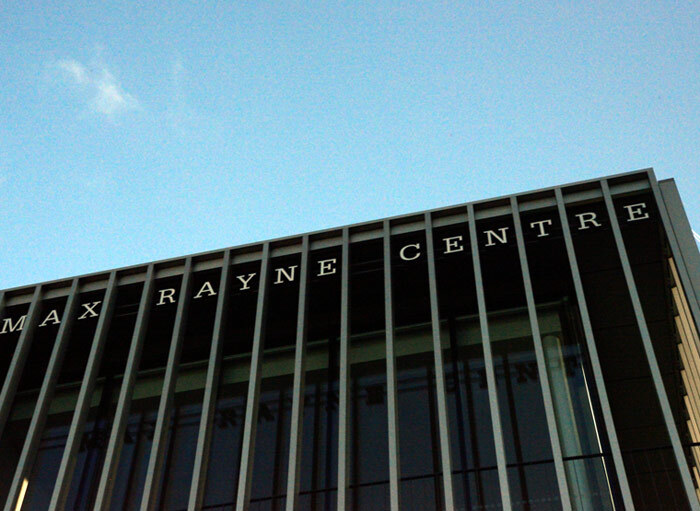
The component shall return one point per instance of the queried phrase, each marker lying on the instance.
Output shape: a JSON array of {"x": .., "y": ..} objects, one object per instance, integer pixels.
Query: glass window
[
  {"x": 270, "y": 459},
  {"x": 138, "y": 438},
  {"x": 319, "y": 462},
  {"x": 419, "y": 447},
  {"x": 369, "y": 454},
  {"x": 32, "y": 377},
  {"x": 473, "y": 451},
  {"x": 48, "y": 459},
  {"x": 93, "y": 444},
  {"x": 653, "y": 477},
  {"x": 227, "y": 431},
  {"x": 584, "y": 442},
  {"x": 523, "y": 419}
]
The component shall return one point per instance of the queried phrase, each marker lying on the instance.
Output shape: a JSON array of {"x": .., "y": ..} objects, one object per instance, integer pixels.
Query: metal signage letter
[
  {"x": 453, "y": 244},
  {"x": 245, "y": 281},
  {"x": 89, "y": 310},
  {"x": 492, "y": 234},
  {"x": 541, "y": 225},
  {"x": 402, "y": 252},
  {"x": 282, "y": 271},
  {"x": 206, "y": 288},
  {"x": 635, "y": 212},
  {"x": 53, "y": 317},
  {"x": 16, "y": 327},
  {"x": 166, "y": 294},
  {"x": 326, "y": 267},
  {"x": 583, "y": 218}
]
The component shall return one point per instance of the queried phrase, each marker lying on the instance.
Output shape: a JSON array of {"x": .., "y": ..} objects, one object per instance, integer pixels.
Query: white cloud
[
  {"x": 178, "y": 113},
  {"x": 105, "y": 95},
  {"x": 75, "y": 70}
]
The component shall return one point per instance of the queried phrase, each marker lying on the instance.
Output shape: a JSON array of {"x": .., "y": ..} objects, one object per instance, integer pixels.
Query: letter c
[{"x": 402, "y": 252}]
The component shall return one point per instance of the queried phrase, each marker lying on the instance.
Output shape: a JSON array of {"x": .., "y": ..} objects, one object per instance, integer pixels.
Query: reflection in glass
[
  {"x": 138, "y": 438},
  {"x": 319, "y": 463},
  {"x": 474, "y": 457},
  {"x": 179, "y": 456},
  {"x": 272, "y": 444},
  {"x": 133, "y": 460},
  {"x": 653, "y": 475},
  {"x": 418, "y": 427},
  {"x": 45, "y": 465},
  {"x": 45, "y": 470},
  {"x": 534, "y": 487},
  {"x": 271, "y": 448},
  {"x": 369, "y": 455}
]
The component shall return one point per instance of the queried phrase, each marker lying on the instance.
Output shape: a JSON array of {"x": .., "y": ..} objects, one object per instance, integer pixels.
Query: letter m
[{"x": 8, "y": 326}]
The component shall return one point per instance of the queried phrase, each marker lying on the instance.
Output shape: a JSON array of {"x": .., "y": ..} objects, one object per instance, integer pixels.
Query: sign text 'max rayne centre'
[{"x": 409, "y": 252}]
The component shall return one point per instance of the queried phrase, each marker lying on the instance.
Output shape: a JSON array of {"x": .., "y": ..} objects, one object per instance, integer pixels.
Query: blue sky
[{"x": 132, "y": 133}]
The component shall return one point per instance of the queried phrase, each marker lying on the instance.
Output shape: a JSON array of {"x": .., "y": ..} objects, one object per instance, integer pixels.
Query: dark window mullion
[
  {"x": 82, "y": 406},
  {"x": 443, "y": 420},
  {"x": 211, "y": 387},
  {"x": 36, "y": 427},
  {"x": 541, "y": 362},
  {"x": 593, "y": 357},
  {"x": 165, "y": 406},
  {"x": 650, "y": 355},
  {"x": 19, "y": 358},
  {"x": 344, "y": 377},
  {"x": 116, "y": 438},
  {"x": 245, "y": 475},
  {"x": 392, "y": 397},
  {"x": 489, "y": 365},
  {"x": 298, "y": 391}
]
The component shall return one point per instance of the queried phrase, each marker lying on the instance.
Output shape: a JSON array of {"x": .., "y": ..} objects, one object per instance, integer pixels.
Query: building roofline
[{"x": 60, "y": 282}]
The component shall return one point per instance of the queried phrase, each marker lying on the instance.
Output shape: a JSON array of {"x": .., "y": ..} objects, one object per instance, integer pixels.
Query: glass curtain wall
[
  {"x": 419, "y": 446},
  {"x": 227, "y": 432},
  {"x": 472, "y": 442},
  {"x": 15, "y": 429},
  {"x": 174, "y": 487},
  {"x": 138, "y": 437},
  {"x": 584, "y": 443},
  {"x": 44, "y": 467},
  {"x": 270, "y": 457},
  {"x": 531, "y": 473},
  {"x": 532, "y": 479},
  {"x": 368, "y": 427},
  {"x": 93, "y": 440},
  {"x": 651, "y": 468},
  {"x": 319, "y": 462}
]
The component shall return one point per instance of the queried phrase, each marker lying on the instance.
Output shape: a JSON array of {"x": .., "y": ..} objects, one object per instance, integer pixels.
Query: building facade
[{"x": 533, "y": 352}]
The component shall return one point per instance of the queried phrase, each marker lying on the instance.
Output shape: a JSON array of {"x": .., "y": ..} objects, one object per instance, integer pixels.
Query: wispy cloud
[
  {"x": 104, "y": 93},
  {"x": 178, "y": 113}
]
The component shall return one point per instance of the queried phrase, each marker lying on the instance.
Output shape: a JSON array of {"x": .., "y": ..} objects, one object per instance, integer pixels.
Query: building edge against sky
[
  {"x": 541, "y": 348},
  {"x": 668, "y": 190}
]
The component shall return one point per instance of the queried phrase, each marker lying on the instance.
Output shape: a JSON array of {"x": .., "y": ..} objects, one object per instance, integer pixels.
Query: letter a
[
  {"x": 53, "y": 317},
  {"x": 206, "y": 288}
]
